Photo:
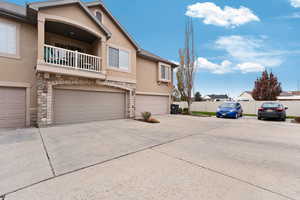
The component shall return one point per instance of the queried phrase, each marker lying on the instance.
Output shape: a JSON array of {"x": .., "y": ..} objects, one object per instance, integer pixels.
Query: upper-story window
[
  {"x": 8, "y": 39},
  {"x": 99, "y": 16},
  {"x": 118, "y": 58},
  {"x": 164, "y": 72}
]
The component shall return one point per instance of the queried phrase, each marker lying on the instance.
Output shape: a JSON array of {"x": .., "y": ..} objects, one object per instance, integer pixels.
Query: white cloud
[
  {"x": 224, "y": 67},
  {"x": 295, "y": 3},
  {"x": 249, "y": 50},
  {"x": 250, "y": 67},
  {"x": 227, "y": 17}
]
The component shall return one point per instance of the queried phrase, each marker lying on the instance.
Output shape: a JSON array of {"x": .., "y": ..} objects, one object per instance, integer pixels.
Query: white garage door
[
  {"x": 75, "y": 106},
  {"x": 12, "y": 107},
  {"x": 157, "y": 105}
]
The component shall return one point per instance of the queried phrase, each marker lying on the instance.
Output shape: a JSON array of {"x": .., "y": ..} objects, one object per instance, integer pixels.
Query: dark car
[
  {"x": 272, "y": 110},
  {"x": 230, "y": 109}
]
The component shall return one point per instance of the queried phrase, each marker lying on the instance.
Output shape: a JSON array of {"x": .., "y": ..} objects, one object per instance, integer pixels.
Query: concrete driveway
[{"x": 180, "y": 158}]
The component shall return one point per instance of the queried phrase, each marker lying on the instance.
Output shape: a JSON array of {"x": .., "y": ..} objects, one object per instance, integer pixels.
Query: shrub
[
  {"x": 297, "y": 119},
  {"x": 180, "y": 111},
  {"x": 146, "y": 115},
  {"x": 185, "y": 111}
]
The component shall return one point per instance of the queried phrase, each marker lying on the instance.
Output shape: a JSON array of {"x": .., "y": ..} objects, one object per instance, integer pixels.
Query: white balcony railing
[{"x": 71, "y": 59}]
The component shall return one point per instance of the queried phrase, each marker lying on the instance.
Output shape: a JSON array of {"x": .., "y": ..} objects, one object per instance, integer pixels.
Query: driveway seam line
[
  {"x": 102, "y": 162},
  {"x": 224, "y": 174},
  {"x": 47, "y": 154}
]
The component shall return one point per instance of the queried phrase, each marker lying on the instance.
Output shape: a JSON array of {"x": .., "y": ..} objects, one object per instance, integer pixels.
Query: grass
[{"x": 210, "y": 114}]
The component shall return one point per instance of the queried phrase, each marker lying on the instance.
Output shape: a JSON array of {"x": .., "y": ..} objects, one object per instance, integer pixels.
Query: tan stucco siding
[
  {"x": 72, "y": 14},
  {"x": 118, "y": 40},
  {"x": 21, "y": 69},
  {"x": 147, "y": 77}
]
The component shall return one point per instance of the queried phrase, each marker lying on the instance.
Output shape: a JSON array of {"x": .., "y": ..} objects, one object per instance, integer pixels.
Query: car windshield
[
  {"x": 228, "y": 105},
  {"x": 271, "y": 105}
]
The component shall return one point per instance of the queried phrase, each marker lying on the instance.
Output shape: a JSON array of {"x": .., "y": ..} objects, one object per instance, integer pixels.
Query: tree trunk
[{"x": 189, "y": 102}]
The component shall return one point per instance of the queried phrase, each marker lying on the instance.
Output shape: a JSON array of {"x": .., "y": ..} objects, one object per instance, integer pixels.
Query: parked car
[
  {"x": 272, "y": 110},
  {"x": 230, "y": 110}
]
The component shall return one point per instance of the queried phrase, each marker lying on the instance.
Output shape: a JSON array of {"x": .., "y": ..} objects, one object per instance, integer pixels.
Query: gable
[
  {"x": 119, "y": 34},
  {"x": 63, "y": 5},
  {"x": 72, "y": 12}
]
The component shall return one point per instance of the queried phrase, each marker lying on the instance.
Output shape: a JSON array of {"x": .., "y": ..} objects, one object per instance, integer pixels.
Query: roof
[
  {"x": 12, "y": 10},
  {"x": 45, "y": 4},
  {"x": 290, "y": 93},
  {"x": 218, "y": 96},
  {"x": 151, "y": 56}
]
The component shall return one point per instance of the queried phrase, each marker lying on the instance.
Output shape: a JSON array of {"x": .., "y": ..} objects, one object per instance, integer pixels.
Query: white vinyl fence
[{"x": 250, "y": 107}]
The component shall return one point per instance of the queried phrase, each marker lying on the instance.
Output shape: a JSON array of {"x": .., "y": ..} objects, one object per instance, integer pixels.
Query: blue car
[{"x": 230, "y": 110}]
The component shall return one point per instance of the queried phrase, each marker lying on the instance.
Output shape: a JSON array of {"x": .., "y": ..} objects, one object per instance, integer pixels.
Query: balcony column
[
  {"x": 41, "y": 39},
  {"x": 103, "y": 56}
]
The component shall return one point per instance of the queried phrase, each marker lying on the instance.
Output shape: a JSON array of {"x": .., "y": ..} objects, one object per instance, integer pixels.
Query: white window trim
[
  {"x": 169, "y": 71},
  {"x": 119, "y": 48},
  {"x": 18, "y": 27}
]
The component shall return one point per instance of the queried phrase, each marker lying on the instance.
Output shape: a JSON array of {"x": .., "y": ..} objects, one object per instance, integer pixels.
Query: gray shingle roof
[{"x": 149, "y": 55}]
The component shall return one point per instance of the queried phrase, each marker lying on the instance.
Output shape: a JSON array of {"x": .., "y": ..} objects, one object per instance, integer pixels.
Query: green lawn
[{"x": 199, "y": 113}]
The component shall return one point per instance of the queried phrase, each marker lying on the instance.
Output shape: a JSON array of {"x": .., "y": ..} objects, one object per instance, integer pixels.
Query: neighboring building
[
  {"x": 69, "y": 61},
  {"x": 216, "y": 97},
  {"x": 246, "y": 96},
  {"x": 289, "y": 96}
]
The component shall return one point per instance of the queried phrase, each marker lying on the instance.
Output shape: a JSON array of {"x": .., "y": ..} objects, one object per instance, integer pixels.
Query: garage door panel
[
  {"x": 74, "y": 106},
  {"x": 157, "y": 105},
  {"x": 12, "y": 107}
]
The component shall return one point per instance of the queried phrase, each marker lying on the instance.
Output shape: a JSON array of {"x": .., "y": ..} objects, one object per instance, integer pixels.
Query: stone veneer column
[
  {"x": 44, "y": 100},
  {"x": 131, "y": 104}
]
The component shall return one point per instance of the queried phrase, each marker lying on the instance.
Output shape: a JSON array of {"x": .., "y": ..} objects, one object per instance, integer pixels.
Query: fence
[{"x": 250, "y": 107}]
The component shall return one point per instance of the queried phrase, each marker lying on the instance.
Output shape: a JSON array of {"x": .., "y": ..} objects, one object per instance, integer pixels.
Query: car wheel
[
  {"x": 283, "y": 119},
  {"x": 236, "y": 116},
  {"x": 259, "y": 118}
]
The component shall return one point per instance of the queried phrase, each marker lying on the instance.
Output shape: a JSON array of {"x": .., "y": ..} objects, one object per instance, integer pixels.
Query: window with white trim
[
  {"x": 8, "y": 39},
  {"x": 118, "y": 58},
  {"x": 164, "y": 72}
]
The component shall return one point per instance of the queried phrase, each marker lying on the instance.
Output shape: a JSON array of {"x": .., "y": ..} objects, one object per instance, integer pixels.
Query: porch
[{"x": 70, "y": 50}]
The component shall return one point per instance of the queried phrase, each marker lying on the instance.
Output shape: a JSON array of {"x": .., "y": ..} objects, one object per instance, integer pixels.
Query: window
[
  {"x": 99, "y": 16},
  {"x": 118, "y": 58},
  {"x": 8, "y": 39},
  {"x": 164, "y": 72}
]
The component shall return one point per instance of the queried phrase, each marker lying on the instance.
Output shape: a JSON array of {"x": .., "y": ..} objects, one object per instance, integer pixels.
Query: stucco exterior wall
[
  {"x": 147, "y": 77},
  {"x": 22, "y": 69},
  {"x": 118, "y": 40}
]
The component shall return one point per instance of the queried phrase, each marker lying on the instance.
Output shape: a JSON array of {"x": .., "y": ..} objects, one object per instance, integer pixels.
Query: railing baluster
[{"x": 71, "y": 59}]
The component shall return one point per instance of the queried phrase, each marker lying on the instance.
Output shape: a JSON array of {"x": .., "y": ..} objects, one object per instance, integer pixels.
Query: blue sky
[{"x": 235, "y": 39}]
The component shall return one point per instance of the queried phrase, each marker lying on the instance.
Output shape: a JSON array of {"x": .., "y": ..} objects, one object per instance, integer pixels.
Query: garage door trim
[{"x": 27, "y": 86}]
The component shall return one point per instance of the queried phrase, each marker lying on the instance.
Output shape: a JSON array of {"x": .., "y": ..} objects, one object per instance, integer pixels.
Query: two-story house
[{"x": 68, "y": 61}]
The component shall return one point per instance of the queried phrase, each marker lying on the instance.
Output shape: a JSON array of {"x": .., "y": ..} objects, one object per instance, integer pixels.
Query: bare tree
[{"x": 185, "y": 73}]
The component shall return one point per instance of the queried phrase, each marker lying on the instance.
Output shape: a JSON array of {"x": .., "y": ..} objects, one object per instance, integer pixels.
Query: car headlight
[{"x": 218, "y": 109}]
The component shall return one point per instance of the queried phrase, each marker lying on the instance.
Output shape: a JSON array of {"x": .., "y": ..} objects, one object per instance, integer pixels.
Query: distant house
[
  {"x": 216, "y": 97},
  {"x": 245, "y": 96},
  {"x": 289, "y": 96}
]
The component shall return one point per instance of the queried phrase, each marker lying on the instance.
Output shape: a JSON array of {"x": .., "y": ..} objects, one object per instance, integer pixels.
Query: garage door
[
  {"x": 75, "y": 106},
  {"x": 157, "y": 105},
  {"x": 12, "y": 107}
]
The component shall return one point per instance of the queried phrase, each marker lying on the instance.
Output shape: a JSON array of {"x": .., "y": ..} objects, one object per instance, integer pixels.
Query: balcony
[
  {"x": 68, "y": 49},
  {"x": 67, "y": 62}
]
